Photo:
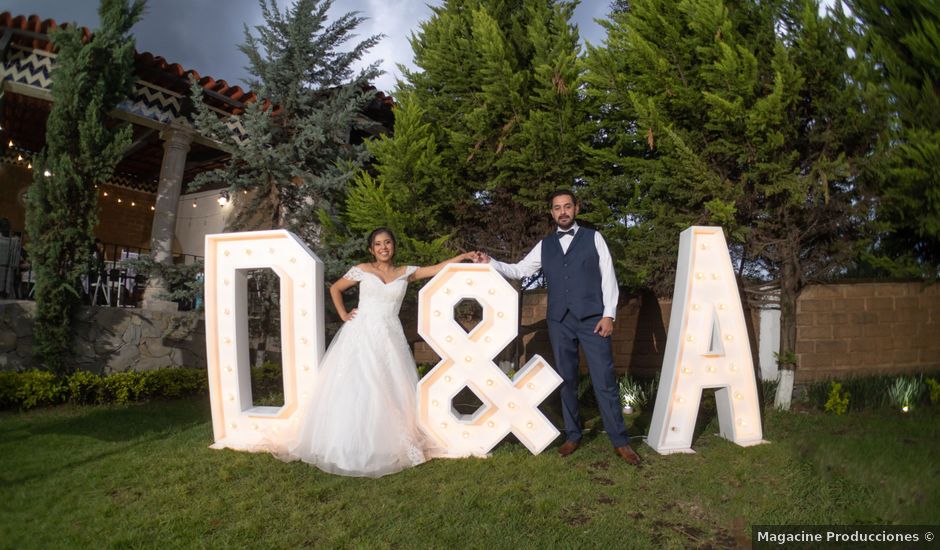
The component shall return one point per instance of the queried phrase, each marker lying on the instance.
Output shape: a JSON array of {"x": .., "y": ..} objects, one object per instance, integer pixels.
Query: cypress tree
[
  {"x": 752, "y": 116},
  {"x": 82, "y": 148},
  {"x": 495, "y": 107},
  {"x": 297, "y": 159}
]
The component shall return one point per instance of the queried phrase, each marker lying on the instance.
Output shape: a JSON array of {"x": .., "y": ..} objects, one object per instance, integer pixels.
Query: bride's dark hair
[{"x": 379, "y": 231}]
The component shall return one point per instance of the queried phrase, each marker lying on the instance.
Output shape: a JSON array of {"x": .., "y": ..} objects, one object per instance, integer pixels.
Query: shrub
[
  {"x": 934, "y": 390},
  {"x": 83, "y": 387},
  {"x": 905, "y": 392},
  {"x": 9, "y": 381},
  {"x": 838, "y": 401}
]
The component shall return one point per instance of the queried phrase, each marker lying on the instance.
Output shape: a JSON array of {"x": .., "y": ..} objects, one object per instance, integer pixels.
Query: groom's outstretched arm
[{"x": 524, "y": 268}]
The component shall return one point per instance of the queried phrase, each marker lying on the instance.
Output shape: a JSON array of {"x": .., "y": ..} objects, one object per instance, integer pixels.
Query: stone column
[{"x": 176, "y": 141}]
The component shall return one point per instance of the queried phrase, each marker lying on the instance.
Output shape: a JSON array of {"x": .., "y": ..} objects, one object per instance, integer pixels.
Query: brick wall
[
  {"x": 842, "y": 330},
  {"x": 867, "y": 328},
  {"x": 120, "y": 222}
]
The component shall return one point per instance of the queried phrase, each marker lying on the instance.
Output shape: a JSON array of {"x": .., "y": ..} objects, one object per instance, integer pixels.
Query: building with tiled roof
[{"x": 165, "y": 149}]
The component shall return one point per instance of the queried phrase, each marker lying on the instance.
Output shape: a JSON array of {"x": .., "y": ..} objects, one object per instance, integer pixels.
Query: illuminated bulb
[
  {"x": 742, "y": 422},
  {"x": 696, "y": 307},
  {"x": 530, "y": 385},
  {"x": 293, "y": 260},
  {"x": 444, "y": 425},
  {"x": 728, "y": 337},
  {"x": 303, "y": 340},
  {"x": 711, "y": 368},
  {"x": 448, "y": 338},
  {"x": 466, "y": 435},
  {"x": 437, "y": 313},
  {"x": 303, "y": 313},
  {"x": 698, "y": 275},
  {"x": 490, "y": 424},
  {"x": 222, "y": 200},
  {"x": 227, "y": 340},
  {"x": 500, "y": 314},
  {"x": 245, "y": 192},
  {"x": 511, "y": 405},
  {"x": 492, "y": 291},
  {"x": 436, "y": 403},
  {"x": 248, "y": 251},
  {"x": 105, "y": 193},
  {"x": 231, "y": 397},
  {"x": 714, "y": 276},
  {"x": 468, "y": 359},
  {"x": 489, "y": 381},
  {"x": 529, "y": 425},
  {"x": 194, "y": 204},
  {"x": 680, "y": 400},
  {"x": 228, "y": 369},
  {"x": 152, "y": 208},
  {"x": 447, "y": 378},
  {"x": 120, "y": 201},
  {"x": 10, "y": 144},
  {"x": 737, "y": 395},
  {"x": 687, "y": 370},
  {"x": 446, "y": 291},
  {"x": 488, "y": 339},
  {"x": 46, "y": 173},
  {"x": 19, "y": 158},
  {"x": 904, "y": 408},
  {"x": 691, "y": 338},
  {"x": 29, "y": 166},
  {"x": 704, "y": 246},
  {"x": 734, "y": 368},
  {"x": 721, "y": 307},
  {"x": 133, "y": 203},
  {"x": 233, "y": 425},
  {"x": 469, "y": 282}
]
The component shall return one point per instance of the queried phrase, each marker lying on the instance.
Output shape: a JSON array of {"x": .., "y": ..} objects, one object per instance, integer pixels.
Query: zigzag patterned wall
[{"x": 33, "y": 68}]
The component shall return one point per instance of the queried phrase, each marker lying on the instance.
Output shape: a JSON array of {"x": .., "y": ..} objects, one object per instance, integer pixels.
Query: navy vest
[{"x": 573, "y": 279}]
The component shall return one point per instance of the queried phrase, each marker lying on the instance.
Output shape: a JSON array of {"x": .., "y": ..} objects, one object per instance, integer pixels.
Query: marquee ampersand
[{"x": 467, "y": 361}]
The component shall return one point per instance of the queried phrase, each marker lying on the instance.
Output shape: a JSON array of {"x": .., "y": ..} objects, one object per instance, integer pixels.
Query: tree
[
  {"x": 752, "y": 116},
  {"x": 493, "y": 121},
  {"x": 82, "y": 148},
  {"x": 296, "y": 159},
  {"x": 904, "y": 40}
]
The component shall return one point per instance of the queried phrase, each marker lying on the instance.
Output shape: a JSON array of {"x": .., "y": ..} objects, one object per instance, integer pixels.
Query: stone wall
[
  {"x": 110, "y": 339},
  {"x": 867, "y": 328}
]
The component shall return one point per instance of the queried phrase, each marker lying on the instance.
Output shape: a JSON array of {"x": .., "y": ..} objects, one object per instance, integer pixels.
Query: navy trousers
[{"x": 565, "y": 336}]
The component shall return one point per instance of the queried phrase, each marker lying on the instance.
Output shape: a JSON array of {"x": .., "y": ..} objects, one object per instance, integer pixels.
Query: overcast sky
[{"x": 204, "y": 34}]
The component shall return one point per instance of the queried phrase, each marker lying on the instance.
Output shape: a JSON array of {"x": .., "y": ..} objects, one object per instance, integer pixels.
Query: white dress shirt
[{"x": 533, "y": 262}]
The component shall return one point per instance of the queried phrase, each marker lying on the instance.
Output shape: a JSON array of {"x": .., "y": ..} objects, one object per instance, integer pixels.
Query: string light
[{"x": 10, "y": 144}]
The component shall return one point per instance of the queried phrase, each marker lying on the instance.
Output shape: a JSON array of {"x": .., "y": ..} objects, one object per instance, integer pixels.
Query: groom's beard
[{"x": 565, "y": 225}]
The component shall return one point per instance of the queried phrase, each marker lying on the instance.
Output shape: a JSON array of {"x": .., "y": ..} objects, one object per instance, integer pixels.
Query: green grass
[{"x": 142, "y": 475}]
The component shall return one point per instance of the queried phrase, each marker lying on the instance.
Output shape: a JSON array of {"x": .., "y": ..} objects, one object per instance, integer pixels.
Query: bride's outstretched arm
[
  {"x": 432, "y": 270},
  {"x": 336, "y": 292}
]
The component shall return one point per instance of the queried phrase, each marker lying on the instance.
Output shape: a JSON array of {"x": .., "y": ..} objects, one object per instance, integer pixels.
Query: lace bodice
[{"x": 377, "y": 297}]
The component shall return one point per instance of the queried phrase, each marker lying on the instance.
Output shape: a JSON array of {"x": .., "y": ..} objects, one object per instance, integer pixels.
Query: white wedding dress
[{"x": 361, "y": 418}]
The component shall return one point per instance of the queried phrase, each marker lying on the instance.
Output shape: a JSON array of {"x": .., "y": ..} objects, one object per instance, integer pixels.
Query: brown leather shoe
[
  {"x": 568, "y": 447},
  {"x": 627, "y": 454}
]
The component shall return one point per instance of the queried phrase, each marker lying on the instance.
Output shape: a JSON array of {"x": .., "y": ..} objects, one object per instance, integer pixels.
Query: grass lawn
[{"x": 142, "y": 475}]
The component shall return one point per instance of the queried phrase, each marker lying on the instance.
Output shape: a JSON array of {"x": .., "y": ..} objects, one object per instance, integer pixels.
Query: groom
[{"x": 582, "y": 304}]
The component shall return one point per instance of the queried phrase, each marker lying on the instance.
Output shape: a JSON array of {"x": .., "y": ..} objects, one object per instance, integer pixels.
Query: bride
[{"x": 361, "y": 418}]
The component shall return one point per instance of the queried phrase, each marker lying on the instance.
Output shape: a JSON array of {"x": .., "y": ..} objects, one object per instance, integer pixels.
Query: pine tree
[
  {"x": 297, "y": 160},
  {"x": 752, "y": 116},
  {"x": 905, "y": 42},
  {"x": 82, "y": 148},
  {"x": 493, "y": 121}
]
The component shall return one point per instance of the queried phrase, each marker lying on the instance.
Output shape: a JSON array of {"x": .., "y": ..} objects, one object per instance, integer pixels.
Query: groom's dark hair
[{"x": 561, "y": 192}]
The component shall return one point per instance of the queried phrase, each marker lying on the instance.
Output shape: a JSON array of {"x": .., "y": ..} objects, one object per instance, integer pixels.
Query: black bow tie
[{"x": 569, "y": 232}]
